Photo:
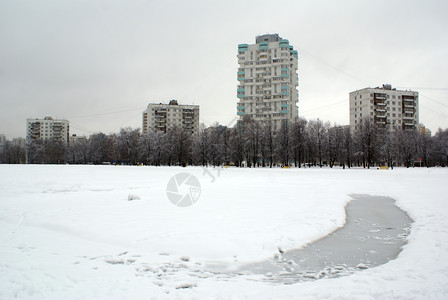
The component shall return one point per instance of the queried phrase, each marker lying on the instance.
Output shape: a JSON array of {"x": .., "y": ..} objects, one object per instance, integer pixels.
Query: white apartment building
[
  {"x": 387, "y": 107},
  {"x": 164, "y": 117},
  {"x": 47, "y": 128},
  {"x": 268, "y": 80}
]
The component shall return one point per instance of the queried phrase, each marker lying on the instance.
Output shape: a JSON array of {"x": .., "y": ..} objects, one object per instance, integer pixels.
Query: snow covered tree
[
  {"x": 318, "y": 131},
  {"x": 440, "y": 148},
  {"x": 298, "y": 137}
]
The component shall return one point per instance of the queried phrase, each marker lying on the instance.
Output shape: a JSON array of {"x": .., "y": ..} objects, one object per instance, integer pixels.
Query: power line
[
  {"x": 422, "y": 88},
  {"x": 333, "y": 67},
  {"x": 324, "y": 106},
  {"x": 436, "y": 112},
  {"x": 434, "y": 100},
  {"x": 104, "y": 113},
  {"x": 77, "y": 126}
]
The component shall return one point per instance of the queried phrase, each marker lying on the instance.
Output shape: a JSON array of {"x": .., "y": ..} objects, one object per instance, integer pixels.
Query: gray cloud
[{"x": 99, "y": 63}]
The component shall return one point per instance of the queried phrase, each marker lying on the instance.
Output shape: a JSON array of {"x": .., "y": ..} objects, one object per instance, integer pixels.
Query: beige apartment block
[
  {"x": 47, "y": 129},
  {"x": 165, "y": 117},
  {"x": 386, "y": 107}
]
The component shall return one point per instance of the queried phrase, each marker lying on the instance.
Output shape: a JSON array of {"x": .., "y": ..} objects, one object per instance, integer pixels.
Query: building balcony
[
  {"x": 284, "y": 111},
  {"x": 380, "y": 103},
  {"x": 241, "y": 78},
  {"x": 263, "y": 45},
  {"x": 380, "y": 110},
  {"x": 243, "y": 47},
  {"x": 285, "y": 75},
  {"x": 285, "y": 93},
  {"x": 240, "y": 113}
]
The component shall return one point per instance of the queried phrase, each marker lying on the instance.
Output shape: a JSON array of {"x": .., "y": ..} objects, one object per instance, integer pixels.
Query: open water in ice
[{"x": 374, "y": 233}]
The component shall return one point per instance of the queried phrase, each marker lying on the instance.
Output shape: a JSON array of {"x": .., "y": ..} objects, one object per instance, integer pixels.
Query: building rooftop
[
  {"x": 267, "y": 38},
  {"x": 385, "y": 87}
]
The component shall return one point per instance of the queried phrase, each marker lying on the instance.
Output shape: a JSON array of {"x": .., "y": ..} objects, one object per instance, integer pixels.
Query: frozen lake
[
  {"x": 112, "y": 232},
  {"x": 374, "y": 233}
]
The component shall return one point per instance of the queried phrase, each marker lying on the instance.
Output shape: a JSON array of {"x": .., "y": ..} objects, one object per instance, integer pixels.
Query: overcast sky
[{"x": 98, "y": 63}]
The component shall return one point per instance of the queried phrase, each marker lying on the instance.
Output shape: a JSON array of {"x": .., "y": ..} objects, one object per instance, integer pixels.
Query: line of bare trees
[{"x": 249, "y": 144}]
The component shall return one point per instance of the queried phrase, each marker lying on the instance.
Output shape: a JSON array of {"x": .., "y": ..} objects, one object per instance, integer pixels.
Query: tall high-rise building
[
  {"x": 47, "y": 129},
  {"x": 386, "y": 107},
  {"x": 164, "y": 117},
  {"x": 268, "y": 80}
]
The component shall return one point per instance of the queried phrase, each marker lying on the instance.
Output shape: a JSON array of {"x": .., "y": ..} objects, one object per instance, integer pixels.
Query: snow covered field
[{"x": 71, "y": 231}]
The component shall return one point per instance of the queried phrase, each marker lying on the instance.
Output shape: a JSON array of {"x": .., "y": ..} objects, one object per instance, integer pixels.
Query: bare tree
[{"x": 298, "y": 141}]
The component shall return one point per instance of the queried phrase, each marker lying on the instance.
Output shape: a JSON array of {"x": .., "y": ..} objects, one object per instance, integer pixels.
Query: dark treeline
[{"x": 249, "y": 144}]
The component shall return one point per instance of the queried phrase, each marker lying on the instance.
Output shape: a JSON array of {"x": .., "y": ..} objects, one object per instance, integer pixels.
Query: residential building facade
[
  {"x": 424, "y": 130},
  {"x": 386, "y": 107},
  {"x": 164, "y": 117},
  {"x": 74, "y": 139},
  {"x": 47, "y": 129},
  {"x": 268, "y": 81}
]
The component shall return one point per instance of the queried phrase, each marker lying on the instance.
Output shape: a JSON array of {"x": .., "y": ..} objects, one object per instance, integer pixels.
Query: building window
[{"x": 394, "y": 115}]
